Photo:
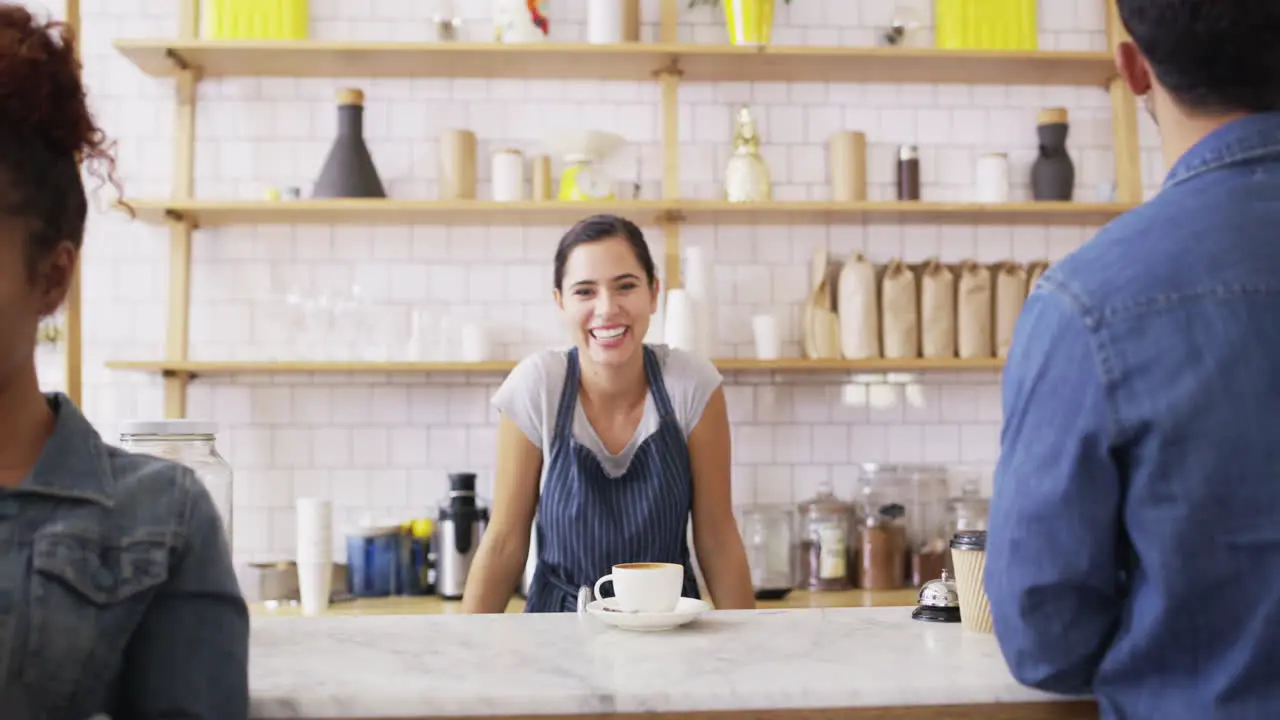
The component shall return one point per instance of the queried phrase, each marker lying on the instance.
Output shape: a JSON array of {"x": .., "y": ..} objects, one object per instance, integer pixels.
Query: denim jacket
[
  {"x": 117, "y": 593},
  {"x": 1134, "y": 543}
]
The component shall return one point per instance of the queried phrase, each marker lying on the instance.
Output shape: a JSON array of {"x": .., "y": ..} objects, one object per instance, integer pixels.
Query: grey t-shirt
[{"x": 530, "y": 397}]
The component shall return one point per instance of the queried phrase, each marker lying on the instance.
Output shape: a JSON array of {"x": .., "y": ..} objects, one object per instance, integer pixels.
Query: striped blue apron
[{"x": 588, "y": 522}]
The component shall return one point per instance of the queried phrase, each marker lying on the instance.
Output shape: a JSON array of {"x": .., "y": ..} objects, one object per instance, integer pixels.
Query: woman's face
[{"x": 607, "y": 300}]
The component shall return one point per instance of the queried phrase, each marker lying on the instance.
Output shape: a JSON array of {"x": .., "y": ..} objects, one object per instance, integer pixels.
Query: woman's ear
[
  {"x": 56, "y": 274},
  {"x": 655, "y": 290},
  {"x": 557, "y": 297}
]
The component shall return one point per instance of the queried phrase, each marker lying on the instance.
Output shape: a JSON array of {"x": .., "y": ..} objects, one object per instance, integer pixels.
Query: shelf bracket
[
  {"x": 175, "y": 216},
  {"x": 671, "y": 69},
  {"x": 179, "y": 63},
  {"x": 672, "y": 216}
]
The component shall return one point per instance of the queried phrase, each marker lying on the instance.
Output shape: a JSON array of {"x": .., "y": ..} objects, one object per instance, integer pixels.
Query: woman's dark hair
[
  {"x": 1215, "y": 56},
  {"x": 46, "y": 131},
  {"x": 604, "y": 227}
]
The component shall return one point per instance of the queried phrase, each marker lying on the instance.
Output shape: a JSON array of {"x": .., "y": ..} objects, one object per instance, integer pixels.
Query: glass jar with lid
[
  {"x": 768, "y": 534},
  {"x": 192, "y": 443},
  {"x": 823, "y": 556}
]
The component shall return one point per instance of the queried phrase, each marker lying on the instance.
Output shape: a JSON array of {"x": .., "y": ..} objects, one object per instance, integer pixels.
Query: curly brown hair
[{"x": 46, "y": 132}]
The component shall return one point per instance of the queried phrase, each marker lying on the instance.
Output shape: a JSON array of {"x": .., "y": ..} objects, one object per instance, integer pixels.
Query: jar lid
[
  {"x": 168, "y": 427},
  {"x": 969, "y": 540},
  {"x": 908, "y": 152}
]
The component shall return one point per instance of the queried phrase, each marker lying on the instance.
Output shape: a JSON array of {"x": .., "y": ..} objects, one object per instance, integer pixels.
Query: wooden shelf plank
[
  {"x": 630, "y": 61},
  {"x": 786, "y": 365},
  {"x": 218, "y": 213}
]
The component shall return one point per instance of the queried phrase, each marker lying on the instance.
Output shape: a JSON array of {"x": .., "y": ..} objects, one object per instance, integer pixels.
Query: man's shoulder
[{"x": 1124, "y": 261}]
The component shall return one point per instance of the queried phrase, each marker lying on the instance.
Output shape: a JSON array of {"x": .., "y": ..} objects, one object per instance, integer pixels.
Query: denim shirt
[
  {"x": 1134, "y": 543},
  {"x": 117, "y": 593}
]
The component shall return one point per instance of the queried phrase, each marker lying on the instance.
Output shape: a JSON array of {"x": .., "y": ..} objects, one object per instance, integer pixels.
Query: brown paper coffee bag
[
  {"x": 937, "y": 311},
  {"x": 900, "y": 313},
  {"x": 1034, "y": 271},
  {"x": 859, "y": 309},
  {"x": 974, "y": 311},
  {"x": 1011, "y": 291}
]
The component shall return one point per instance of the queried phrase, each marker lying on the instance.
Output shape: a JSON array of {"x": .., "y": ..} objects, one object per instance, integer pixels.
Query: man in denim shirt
[
  {"x": 117, "y": 595},
  {"x": 1134, "y": 546}
]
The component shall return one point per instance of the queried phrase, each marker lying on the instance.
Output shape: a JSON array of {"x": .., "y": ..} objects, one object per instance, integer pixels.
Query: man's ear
[{"x": 1133, "y": 67}]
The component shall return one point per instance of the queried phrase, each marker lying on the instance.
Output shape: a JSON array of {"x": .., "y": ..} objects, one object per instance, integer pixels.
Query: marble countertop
[
  {"x": 420, "y": 666},
  {"x": 434, "y": 605}
]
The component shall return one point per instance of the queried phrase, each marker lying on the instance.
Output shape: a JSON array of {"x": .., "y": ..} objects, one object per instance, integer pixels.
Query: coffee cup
[
  {"x": 647, "y": 587},
  {"x": 969, "y": 556}
]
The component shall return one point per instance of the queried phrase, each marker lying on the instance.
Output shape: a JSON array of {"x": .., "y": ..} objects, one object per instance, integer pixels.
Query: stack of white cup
[{"x": 314, "y": 554}]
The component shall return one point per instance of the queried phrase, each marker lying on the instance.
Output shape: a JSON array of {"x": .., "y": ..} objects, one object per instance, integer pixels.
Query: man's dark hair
[{"x": 1214, "y": 56}]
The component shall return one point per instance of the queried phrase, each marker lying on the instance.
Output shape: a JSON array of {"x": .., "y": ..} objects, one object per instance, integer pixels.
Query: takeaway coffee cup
[
  {"x": 969, "y": 555},
  {"x": 645, "y": 587}
]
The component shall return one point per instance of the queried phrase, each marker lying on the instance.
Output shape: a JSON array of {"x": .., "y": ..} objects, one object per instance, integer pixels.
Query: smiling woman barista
[{"x": 612, "y": 444}]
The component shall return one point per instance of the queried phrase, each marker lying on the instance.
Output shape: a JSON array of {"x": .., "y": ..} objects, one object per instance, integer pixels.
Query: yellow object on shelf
[
  {"x": 750, "y": 22},
  {"x": 255, "y": 19},
  {"x": 985, "y": 24}
]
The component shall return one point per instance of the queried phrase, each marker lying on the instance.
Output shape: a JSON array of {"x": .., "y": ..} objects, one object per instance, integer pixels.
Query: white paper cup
[
  {"x": 768, "y": 337},
  {"x": 314, "y": 543}
]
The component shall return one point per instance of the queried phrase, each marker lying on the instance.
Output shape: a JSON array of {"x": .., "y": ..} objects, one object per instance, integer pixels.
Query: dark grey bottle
[
  {"x": 349, "y": 172},
  {"x": 1053, "y": 175}
]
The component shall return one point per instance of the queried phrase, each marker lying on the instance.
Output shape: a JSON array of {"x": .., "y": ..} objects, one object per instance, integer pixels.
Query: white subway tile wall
[{"x": 382, "y": 445}]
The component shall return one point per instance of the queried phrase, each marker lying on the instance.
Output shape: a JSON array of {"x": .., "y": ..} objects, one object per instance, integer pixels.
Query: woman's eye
[
  {"x": 583, "y": 292},
  {"x": 627, "y": 286}
]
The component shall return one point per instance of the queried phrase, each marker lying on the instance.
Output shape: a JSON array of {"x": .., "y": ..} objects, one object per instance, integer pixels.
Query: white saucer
[{"x": 687, "y": 610}]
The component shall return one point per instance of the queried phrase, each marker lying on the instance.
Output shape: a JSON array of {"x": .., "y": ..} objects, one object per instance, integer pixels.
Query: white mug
[{"x": 645, "y": 587}]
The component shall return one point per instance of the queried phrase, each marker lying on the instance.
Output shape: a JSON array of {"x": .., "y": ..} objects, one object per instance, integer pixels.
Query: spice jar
[
  {"x": 823, "y": 550},
  {"x": 908, "y": 172},
  {"x": 192, "y": 443}
]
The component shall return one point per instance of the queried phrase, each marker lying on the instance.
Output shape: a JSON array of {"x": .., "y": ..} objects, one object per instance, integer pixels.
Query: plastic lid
[
  {"x": 970, "y": 540},
  {"x": 168, "y": 427}
]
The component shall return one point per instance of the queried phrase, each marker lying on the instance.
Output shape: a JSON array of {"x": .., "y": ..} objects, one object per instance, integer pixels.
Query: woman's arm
[
  {"x": 715, "y": 531},
  {"x": 189, "y": 656},
  {"x": 504, "y": 547}
]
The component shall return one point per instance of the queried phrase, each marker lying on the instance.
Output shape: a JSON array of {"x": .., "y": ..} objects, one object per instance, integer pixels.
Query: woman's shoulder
[
  {"x": 526, "y": 395},
  {"x": 538, "y": 369},
  {"x": 157, "y": 491},
  {"x": 691, "y": 379},
  {"x": 681, "y": 366}
]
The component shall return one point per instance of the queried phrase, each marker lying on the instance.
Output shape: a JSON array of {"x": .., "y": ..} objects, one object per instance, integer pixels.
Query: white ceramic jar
[{"x": 508, "y": 175}]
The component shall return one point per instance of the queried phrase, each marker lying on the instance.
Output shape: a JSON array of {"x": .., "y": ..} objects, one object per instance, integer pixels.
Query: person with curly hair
[{"x": 117, "y": 593}]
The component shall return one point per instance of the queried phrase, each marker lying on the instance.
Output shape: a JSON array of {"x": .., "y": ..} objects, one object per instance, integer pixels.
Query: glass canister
[
  {"x": 823, "y": 548},
  {"x": 882, "y": 537},
  {"x": 926, "y": 493},
  {"x": 192, "y": 443},
  {"x": 768, "y": 534}
]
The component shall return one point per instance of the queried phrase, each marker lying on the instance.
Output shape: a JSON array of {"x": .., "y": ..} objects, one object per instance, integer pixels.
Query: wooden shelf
[
  {"x": 164, "y": 57},
  {"x": 217, "y": 213},
  {"x": 786, "y": 365}
]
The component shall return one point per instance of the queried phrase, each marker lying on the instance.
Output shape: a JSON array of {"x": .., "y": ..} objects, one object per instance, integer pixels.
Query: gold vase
[{"x": 750, "y": 22}]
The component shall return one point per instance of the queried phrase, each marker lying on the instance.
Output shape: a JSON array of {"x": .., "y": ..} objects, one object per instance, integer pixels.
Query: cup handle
[{"x": 596, "y": 591}]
